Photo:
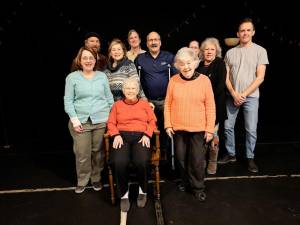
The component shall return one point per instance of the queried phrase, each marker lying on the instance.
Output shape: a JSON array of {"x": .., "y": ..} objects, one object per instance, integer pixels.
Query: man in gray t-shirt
[{"x": 246, "y": 66}]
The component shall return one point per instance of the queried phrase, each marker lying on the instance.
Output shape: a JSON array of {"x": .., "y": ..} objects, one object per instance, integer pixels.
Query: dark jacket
[{"x": 216, "y": 71}]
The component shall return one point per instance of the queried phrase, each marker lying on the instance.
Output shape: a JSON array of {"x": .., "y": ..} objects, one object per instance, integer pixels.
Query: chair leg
[
  {"x": 157, "y": 182},
  {"x": 111, "y": 186}
]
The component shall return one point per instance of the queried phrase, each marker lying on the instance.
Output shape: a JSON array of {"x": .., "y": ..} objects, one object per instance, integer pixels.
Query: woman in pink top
[{"x": 190, "y": 117}]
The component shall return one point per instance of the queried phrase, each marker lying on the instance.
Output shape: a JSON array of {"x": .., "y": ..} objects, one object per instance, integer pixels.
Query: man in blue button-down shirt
[{"x": 155, "y": 68}]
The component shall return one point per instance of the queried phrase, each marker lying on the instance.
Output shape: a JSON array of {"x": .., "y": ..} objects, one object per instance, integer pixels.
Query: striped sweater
[{"x": 116, "y": 77}]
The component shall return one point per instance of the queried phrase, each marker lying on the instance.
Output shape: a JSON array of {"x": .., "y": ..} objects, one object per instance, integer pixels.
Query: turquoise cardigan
[{"x": 88, "y": 98}]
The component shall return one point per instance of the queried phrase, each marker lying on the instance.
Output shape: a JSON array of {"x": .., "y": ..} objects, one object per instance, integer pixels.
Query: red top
[{"x": 138, "y": 117}]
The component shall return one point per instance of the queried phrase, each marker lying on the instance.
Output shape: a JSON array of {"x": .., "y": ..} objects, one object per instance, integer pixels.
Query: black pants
[
  {"x": 163, "y": 137},
  {"x": 190, "y": 153},
  {"x": 130, "y": 152}
]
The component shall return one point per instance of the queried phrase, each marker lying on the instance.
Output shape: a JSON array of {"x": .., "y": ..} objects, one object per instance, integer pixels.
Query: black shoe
[
  {"x": 141, "y": 200},
  {"x": 124, "y": 204},
  {"x": 97, "y": 186},
  {"x": 227, "y": 159},
  {"x": 252, "y": 167},
  {"x": 200, "y": 196},
  {"x": 181, "y": 187}
]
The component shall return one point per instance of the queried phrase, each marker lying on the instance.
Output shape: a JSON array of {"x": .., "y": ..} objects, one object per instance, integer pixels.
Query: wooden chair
[{"x": 155, "y": 157}]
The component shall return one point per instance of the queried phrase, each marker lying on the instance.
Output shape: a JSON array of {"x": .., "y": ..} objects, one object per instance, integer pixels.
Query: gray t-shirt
[{"x": 243, "y": 63}]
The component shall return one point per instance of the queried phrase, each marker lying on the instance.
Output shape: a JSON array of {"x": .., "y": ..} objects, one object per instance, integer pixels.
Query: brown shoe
[
  {"x": 252, "y": 167},
  {"x": 227, "y": 159},
  {"x": 212, "y": 167}
]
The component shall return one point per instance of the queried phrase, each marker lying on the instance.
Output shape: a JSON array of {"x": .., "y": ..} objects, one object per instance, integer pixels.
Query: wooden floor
[{"x": 37, "y": 188}]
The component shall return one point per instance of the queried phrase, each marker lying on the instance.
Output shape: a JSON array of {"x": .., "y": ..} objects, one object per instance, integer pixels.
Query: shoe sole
[
  {"x": 97, "y": 189},
  {"x": 211, "y": 172},
  {"x": 253, "y": 171},
  {"x": 79, "y": 192},
  {"x": 230, "y": 161}
]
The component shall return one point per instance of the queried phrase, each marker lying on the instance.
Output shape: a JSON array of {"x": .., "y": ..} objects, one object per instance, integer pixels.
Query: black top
[{"x": 216, "y": 71}]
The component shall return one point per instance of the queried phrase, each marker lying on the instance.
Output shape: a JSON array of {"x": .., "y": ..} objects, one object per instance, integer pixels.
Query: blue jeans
[{"x": 250, "y": 111}]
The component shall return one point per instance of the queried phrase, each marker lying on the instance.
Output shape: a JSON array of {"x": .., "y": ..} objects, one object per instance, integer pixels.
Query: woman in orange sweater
[
  {"x": 190, "y": 116},
  {"x": 131, "y": 124}
]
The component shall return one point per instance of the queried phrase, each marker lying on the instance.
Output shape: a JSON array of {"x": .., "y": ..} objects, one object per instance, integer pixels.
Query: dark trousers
[
  {"x": 163, "y": 137},
  {"x": 130, "y": 152},
  {"x": 190, "y": 151}
]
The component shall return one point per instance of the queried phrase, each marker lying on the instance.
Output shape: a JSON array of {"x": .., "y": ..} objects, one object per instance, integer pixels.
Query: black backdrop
[{"x": 38, "y": 41}]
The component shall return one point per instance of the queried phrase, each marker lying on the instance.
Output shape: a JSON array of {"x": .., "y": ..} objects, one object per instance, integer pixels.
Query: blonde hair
[
  {"x": 132, "y": 31},
  {"x": 114, "y": 42},
  {"x": 215, "y": 42}
]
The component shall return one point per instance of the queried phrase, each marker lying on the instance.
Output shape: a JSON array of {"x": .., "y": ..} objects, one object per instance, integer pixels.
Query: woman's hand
[
  {"x": 152, "y": 105},
  {"x": 170, "y": 132},
  {"x": 118, "y": 142},
  {"x": 208, "y": 136},
  {"x": 145, "y": 141},
  {"x": 78, "y": 129}
]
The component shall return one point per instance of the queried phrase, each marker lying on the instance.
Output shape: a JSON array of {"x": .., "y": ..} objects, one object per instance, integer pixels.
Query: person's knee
[
  {"x": 142, "y": 163},
  {"x": 119, "y": 163}
]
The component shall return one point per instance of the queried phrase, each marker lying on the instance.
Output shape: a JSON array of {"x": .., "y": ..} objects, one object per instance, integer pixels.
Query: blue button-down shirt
[{"x": 155, "y": 72}]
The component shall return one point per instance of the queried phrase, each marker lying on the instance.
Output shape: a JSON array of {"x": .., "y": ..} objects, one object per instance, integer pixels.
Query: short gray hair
[
  {"x": 183, "y": 53},
  {"x": 131, "y": 80}
]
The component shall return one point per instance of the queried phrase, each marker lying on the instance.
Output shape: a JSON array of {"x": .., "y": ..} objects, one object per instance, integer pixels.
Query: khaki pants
[{"x": 89, "y": 156}]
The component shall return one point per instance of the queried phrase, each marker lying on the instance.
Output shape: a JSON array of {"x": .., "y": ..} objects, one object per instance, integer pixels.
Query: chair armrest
[
  {"x": 106, "y": 135},
  {"x": 156, "y": 132}
]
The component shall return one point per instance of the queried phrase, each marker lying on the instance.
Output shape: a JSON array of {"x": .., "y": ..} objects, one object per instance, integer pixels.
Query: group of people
[{"x": 189, "y": 95}]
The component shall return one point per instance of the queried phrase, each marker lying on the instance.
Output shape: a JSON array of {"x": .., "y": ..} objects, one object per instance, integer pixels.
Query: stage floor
[{"x": 37, "y": 188}]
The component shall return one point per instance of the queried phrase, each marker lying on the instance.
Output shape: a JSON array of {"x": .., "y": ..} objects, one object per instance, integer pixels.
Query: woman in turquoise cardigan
[{"x": 87, "y": 101}]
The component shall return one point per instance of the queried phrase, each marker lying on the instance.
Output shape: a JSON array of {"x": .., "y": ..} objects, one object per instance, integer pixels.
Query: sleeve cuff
[
  {"x": 113, "y": 136},
  {"x": 75, "y": 121},
  {"x": 147, "y": 135}
]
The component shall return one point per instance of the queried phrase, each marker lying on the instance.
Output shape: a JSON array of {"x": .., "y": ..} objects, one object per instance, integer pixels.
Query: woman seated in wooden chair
[{"x": 131, "y": 124}]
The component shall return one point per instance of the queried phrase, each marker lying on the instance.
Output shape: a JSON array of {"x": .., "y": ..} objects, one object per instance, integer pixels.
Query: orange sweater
[
  {"x": 137, "y": 117},
  {"x": 190, "y": 105}
]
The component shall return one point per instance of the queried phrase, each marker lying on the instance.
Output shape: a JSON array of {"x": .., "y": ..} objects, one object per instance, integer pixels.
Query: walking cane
[
  {"x": 172, "y": 140},
  {"x": 139, "y": 71},
  {"x": 172, "y": 152}
]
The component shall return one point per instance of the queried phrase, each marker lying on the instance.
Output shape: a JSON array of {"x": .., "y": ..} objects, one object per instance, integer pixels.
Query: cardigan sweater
[
  {"x": 116, "y": 77},
  {"x": 138, "y": 117},
  {"x": 190, "y": 105},
  {"x": 216, "y": 71},
  {"x": 85, "y": 98}
]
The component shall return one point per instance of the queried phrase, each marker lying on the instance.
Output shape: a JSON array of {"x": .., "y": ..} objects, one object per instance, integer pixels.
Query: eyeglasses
[{"x": 154, "y": 40}]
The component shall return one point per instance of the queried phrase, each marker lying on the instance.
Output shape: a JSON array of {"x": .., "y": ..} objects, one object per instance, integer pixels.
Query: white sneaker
[{"x": 79, "y": 189}]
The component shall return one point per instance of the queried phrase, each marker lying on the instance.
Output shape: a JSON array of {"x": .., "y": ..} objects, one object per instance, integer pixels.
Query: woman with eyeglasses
[{"x": 87, "y": 101}]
